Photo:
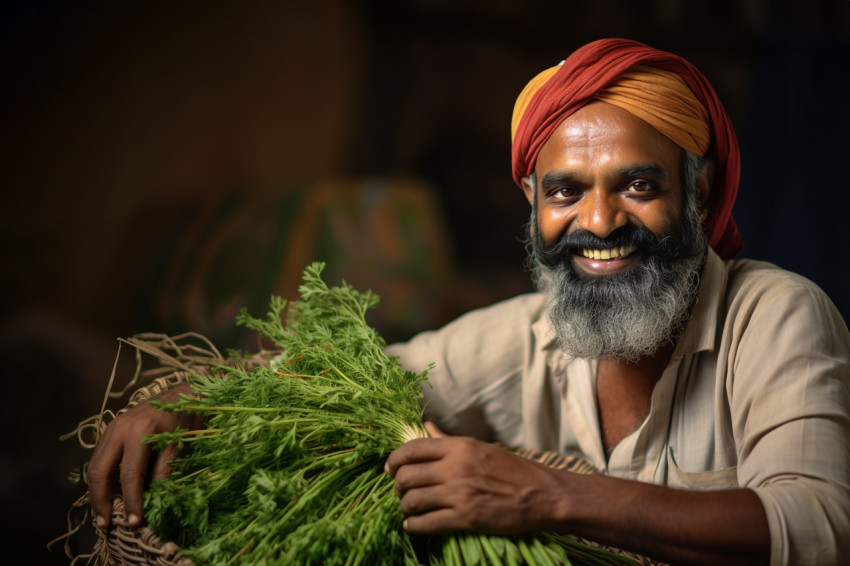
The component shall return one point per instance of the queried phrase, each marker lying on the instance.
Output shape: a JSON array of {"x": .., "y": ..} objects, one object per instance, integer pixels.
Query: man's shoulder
[
  {"x": 750, "y": 279},
  {"x": 487, "y": 339},
  {"x": 755, "y": 287},
  {"x": 527, "y": 307},
  {"x": 501, "y": 321},
  {"x": 509, "y": 321}
]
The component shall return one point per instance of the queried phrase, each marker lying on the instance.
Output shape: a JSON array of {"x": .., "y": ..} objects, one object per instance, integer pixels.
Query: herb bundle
[{"x": 290, "y": 467}]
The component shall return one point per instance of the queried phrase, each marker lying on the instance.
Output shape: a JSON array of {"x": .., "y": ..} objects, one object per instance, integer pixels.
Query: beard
[{"x": 624, "y": 315}]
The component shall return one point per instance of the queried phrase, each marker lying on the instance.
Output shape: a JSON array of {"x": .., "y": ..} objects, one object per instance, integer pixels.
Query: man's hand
[
  {"x": 458, "y": 483},
  {"x": 121, "y": 450}
]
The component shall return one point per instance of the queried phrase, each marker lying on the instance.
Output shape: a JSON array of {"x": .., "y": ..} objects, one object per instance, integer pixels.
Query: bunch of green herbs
[{"x": 289, "y": 469}]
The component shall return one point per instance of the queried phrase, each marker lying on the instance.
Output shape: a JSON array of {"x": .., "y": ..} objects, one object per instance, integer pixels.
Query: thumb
[{"x": 433, "y": 430}]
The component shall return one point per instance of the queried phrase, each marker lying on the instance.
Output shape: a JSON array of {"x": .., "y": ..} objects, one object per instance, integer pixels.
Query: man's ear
[
  {"x": 705, "y": 180},
  {"x": 528, "y": 189}
]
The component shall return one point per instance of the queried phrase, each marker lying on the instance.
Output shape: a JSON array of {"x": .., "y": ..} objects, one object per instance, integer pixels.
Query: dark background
[{"x": 128, "y": 129}]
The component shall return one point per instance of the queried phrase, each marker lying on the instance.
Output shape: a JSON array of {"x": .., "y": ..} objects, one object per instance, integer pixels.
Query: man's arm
[
  {"x": 121, "y": 451},
  {"x": 451, "y": 483}
]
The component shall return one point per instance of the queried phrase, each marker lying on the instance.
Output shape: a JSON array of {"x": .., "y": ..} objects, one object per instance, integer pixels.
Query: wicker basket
[{"x": 123, "y": 545}]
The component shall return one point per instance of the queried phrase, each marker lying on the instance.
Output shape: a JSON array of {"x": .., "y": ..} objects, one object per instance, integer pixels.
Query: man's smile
[
  {"x": 605, "y": 261},
  {"x": 608, "y": 253}
]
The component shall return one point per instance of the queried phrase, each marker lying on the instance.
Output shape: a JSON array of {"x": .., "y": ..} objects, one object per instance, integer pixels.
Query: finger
[
  {"x": 132, "y": 473},
  {"x": 414, "y": 451},
  {"x": 162, "y": 466},
  {"x": 411, "y": 476},
  {"x": 101, "y": 469},
  {"x": 422, "y": 500},
  {"x": 433, "y": 430},
  {"x": 439, "y": 521}
]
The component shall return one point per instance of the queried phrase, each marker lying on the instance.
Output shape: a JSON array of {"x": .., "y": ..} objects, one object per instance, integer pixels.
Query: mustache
[{"x": 627, "y": 235}]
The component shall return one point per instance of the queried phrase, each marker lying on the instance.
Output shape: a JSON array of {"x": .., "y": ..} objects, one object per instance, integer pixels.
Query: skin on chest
[{"x": 624, "y": 395}]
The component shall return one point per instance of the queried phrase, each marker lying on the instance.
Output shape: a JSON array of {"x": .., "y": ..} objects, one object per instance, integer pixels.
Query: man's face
[
  {"x": 618, "y": 245},
  {"x": 602, "y": 169}
]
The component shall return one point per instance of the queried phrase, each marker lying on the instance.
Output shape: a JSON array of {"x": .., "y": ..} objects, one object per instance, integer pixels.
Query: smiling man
[{"x": 712, "y": 393}]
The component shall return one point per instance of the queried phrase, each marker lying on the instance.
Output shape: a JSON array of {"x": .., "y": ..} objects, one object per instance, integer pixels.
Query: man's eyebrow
[
  {"x": 644, "y": 170},
  {"x": 555, "y": 178},
  {"x": 559, "y": 178}
]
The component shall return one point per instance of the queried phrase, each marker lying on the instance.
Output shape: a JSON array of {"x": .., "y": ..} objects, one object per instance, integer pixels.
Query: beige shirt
[{"x": 757, "y": 394}]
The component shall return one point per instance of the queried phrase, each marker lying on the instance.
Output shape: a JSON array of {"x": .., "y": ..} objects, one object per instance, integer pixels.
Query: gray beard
[{"x": 626, "y": 315}]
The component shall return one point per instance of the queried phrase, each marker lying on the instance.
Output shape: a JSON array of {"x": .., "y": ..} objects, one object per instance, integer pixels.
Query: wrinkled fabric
[
  {"x": 556, "y": 93},
  {"x": 663, "y": 100},
  {"x": 756, "y": 395},
  {"x": 658, "y": 97}
]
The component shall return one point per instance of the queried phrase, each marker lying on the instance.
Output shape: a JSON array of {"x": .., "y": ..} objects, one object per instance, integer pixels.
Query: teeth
[{"x": 608, "y": 253}]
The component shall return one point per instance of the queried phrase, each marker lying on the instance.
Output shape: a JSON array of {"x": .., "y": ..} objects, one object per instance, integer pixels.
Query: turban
[{"x": 649, "y": 84}]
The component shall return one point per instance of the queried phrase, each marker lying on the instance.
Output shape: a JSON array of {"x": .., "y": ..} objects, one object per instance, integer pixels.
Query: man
[{"x": 711, "y": 393}]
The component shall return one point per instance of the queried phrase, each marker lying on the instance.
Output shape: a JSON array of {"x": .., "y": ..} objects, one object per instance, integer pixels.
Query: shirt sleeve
[
  {"x": 789, "y": 397},
  {"x": 475, "y": 386}
]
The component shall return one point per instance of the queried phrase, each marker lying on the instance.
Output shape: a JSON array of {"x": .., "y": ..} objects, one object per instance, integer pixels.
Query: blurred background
[{"x": 166, "y": 163}]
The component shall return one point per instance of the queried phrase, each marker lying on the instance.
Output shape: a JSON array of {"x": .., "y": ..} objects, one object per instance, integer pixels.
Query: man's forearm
[{"x": 676, "y": 526}]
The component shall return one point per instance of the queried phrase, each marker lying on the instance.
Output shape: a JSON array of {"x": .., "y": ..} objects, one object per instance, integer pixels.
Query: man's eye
[
  {"x": 564, "y": 193},
  {"x": 640, "y": 187}
]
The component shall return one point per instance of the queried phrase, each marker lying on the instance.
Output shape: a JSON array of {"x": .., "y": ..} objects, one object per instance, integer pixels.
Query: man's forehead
[
  {"x": 602, "y": 119},
  {"x": 602, "y": 135}
]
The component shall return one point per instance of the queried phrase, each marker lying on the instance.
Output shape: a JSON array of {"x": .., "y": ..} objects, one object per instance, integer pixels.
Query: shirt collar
[
  {"x": 701, "y": 330},
  {"x": 543, "y": 331}
]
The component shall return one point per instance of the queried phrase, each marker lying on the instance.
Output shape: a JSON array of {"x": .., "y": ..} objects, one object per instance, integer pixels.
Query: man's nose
[{"x": 601, "y": 213}]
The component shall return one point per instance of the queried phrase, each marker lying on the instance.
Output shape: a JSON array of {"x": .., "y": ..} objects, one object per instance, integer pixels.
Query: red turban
[{"x": 557, "y": 93}]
